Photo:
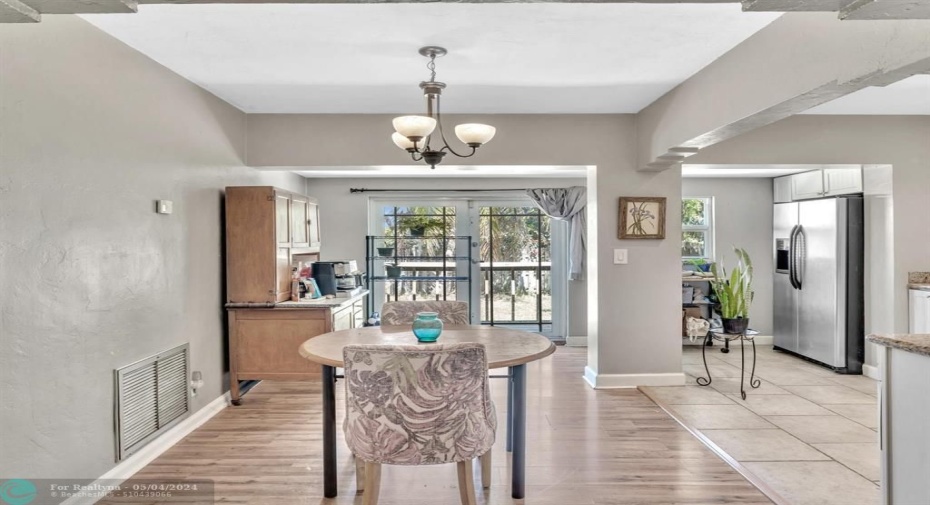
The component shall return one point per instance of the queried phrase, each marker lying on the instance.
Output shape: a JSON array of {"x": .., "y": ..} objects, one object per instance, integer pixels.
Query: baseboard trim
[
  {"x": 576, "y": 341},
  {"x": 131, "y": 465},
  {"x": 632, "y": 380},
  {"x": 871, "y": 372}
]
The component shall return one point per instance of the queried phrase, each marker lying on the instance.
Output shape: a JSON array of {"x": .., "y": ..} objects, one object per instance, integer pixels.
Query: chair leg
[
  {"x": 372, "y": 483},
  {"x": 466, "y": 482},
  {"x": 359, "y": 474},
  {"x": 486, "y": 470}
]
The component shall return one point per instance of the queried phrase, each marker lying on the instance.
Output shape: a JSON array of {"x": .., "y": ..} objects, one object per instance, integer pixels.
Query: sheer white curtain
[{"x": 566, "y": 204}]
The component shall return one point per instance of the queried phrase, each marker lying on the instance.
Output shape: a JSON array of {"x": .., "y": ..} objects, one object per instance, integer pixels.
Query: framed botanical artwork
[{"x": 642, "y": 217}]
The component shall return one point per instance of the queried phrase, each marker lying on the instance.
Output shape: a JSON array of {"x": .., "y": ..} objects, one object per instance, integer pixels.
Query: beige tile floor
[{"x": 807, "y": 433}]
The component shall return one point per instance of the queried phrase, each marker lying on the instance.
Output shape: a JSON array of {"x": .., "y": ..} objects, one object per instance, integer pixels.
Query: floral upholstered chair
[
  {"x": 419, "y": 405},
  {"x": 404, "y": 312}
]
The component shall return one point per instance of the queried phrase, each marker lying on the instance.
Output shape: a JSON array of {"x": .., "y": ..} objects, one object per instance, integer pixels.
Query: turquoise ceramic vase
[{"x": 427, "y": 326}]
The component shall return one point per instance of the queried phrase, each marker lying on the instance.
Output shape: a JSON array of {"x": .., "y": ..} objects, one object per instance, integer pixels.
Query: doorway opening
[{"x": 502, "y": 255}]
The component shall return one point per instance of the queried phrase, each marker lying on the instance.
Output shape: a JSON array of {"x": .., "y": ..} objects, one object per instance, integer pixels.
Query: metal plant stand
[{"x": 726, "y": 338}]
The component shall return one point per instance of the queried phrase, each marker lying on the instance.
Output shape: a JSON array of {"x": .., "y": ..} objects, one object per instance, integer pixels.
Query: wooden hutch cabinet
[
  {"x": 267, "y": 231},
  {"x": 266, "y": 228}
]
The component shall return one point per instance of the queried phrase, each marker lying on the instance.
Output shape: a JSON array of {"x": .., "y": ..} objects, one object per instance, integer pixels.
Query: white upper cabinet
[
  {"x": 807, "y": 185},
  {"x": 819, "y": 183},
  {"x": 842, "y": 181},
  {"x": 782, "y": 189}
]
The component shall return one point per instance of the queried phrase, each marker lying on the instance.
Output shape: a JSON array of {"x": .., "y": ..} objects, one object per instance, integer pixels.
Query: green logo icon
[{"x": 17, "y": 492}]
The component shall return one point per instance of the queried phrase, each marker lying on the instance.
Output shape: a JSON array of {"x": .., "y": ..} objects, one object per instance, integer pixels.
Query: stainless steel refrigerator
[{"x": 818, "y": 288}]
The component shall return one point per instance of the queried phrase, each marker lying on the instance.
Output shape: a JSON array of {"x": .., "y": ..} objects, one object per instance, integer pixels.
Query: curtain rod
[{"x": 365, "y": 190}]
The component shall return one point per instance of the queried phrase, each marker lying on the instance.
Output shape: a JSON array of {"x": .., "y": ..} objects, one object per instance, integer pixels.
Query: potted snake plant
[{"x": 734, "y": 292}]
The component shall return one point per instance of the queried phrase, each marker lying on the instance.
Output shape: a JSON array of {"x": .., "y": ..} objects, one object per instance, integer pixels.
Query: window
[{"x": 697, "y": 228}]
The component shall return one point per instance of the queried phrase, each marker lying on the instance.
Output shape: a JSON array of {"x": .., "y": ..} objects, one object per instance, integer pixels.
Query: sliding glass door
[{"x": 518, "y": 266}]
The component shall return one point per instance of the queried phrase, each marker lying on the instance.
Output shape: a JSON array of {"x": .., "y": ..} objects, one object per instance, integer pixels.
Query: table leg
[
  {"x": 519, "y": 430},
  {"x": 742, "y": 367},
  {"x": 510, "y": 410},
  {"x": 709, "y": 339},
  {"x": 726, "y": 346},
  {"x": 753, "y": 381},
  {"x": 329, "y": 432}
]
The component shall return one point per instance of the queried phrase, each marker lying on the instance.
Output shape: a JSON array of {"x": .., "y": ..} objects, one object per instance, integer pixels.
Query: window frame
[{"x": 707, "y": 228}]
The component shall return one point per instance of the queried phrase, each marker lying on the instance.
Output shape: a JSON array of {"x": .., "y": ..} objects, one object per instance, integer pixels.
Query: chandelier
[{"x": 415, "y": 133}]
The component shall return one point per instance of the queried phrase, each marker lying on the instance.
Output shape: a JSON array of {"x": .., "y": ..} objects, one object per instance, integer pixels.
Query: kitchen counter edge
[
  {"x": 319, "y": 303},
  {"x": 918, "y": 343}
]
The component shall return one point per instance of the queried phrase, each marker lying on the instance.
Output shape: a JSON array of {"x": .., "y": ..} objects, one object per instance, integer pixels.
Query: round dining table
[{"x": 505, "y": 348}]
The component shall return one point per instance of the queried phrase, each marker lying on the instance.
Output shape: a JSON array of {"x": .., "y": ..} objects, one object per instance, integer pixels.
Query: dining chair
[
  {"x": 404, "y": 312},
  {"x": 418, "y": 405},
  {"x": 451, "y": 312}
]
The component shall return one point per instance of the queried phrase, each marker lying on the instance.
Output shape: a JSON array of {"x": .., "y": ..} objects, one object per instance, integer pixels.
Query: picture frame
[{"x": 641, "y": 217}]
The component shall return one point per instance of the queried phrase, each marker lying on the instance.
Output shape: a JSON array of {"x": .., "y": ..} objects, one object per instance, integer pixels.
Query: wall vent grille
[{"x": 151, "y": 396}]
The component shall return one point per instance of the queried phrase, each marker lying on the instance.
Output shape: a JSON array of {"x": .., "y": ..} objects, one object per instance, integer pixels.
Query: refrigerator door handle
[
  {"x": 792, "y": 244},
  {"x": 799, "y": 254}
]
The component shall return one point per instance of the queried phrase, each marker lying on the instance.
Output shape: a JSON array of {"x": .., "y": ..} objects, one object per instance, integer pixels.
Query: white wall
[
  {"x": 91, "y": 134},
  {"x": 344, "y": 219},
  {"x": 743, "y": 218}
]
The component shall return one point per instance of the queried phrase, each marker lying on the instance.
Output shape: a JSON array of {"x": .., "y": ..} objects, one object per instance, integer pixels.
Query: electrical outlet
[{"x": 620, "y": 257}]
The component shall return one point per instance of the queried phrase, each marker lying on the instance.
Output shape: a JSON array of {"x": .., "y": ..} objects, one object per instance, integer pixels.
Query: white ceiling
[
  {"x": 504, "y": 57},
  {"x": 908, "y": 96}
]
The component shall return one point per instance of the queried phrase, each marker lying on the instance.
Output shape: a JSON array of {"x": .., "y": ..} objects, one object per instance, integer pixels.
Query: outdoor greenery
[
  {"x": 734, "y": 290},
  {"x": 516, "y": 235},
  {"x": 693, "y": 213}
]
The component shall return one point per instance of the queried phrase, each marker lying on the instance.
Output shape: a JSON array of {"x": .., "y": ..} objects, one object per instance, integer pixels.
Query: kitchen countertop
[
  {"x": 918, "y": 280},
  {"x": 916, "y": 342},
  {"x": 318, "y": 303}
]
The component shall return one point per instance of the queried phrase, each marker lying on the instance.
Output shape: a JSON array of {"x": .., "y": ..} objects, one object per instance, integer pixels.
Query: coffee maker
[{"x": 337, "y": 275}]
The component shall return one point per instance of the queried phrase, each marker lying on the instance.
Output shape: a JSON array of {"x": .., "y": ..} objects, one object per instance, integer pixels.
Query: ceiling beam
[
  {"x": 884, "y": 9},
  {"x": 83, "y": 6},
  {"x": 791, "y": 5},
  {"x": 14, "y": 11},
  {"x": 799, "y": 61}
]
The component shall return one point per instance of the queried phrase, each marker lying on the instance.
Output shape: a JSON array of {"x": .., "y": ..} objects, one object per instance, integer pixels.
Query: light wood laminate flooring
[{"x": 584, "y": 447}]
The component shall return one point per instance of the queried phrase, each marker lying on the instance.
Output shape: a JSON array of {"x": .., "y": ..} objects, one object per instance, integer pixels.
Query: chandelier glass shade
[{"x": 422, "y": 136}]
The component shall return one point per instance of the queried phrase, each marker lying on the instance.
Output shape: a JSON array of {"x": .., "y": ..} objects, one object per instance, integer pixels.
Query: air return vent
[{"x": 151, "y": 396}]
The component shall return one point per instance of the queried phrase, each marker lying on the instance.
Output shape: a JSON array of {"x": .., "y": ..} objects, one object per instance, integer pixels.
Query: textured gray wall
[
  {"x": 634, "y": 310},
  {"x": 91, "y": 133},
  {"x": 743, "y": 218},
  {"x": 345, "y": 222}
]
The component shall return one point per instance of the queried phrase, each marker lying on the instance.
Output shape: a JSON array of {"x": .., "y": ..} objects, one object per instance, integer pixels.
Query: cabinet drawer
[{"x": 267, "y": 342}]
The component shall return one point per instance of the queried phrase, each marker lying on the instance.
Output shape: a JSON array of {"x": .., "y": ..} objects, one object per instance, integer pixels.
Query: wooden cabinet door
[
  {"x": 282, "y": 218},
  {"x": 300, "y": 232},
  {"x": 283, "y": 274},
  {"x": 313, "y": 224},
  {"x": 267, "y": 343}
]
